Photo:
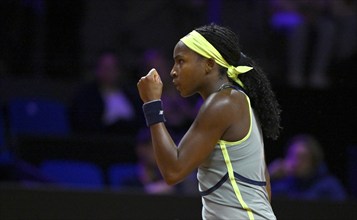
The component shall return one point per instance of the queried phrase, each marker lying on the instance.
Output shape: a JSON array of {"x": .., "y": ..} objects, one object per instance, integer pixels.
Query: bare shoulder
[
  {"x": 224, "y": 106},
  {"x": 225, "y": 101},
  {"x": 221, "y": 117}
]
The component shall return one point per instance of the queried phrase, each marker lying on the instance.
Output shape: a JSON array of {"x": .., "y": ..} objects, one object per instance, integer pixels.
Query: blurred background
[{"x": 71, "y": 128}]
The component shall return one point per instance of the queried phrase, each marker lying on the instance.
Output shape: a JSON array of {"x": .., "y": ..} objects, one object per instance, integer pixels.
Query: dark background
[{"x": 47, "y": 48}]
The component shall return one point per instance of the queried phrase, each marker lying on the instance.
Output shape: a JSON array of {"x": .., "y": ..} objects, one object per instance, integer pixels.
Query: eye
[{"x": 179, "y": 60}]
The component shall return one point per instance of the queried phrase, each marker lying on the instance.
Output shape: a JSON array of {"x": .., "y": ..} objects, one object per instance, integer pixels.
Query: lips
[{"x": 175, "y": 84}]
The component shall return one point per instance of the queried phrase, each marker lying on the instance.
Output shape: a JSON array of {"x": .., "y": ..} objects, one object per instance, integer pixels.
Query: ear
[{"x": 209, "y": 65}]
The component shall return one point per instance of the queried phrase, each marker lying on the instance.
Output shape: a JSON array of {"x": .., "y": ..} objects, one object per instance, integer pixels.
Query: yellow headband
[{"x": 196, "y": 42}]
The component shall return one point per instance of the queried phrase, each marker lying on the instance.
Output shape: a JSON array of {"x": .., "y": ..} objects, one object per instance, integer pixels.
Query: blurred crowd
[
  {"x": 303, "y": 173},
  {"x": 319, "y": 34},
  {"x": 300, "y": 43},
  {"x": 106, "y": 106}
]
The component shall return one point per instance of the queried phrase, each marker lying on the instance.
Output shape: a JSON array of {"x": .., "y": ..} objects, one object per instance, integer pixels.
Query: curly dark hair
[{"x": 256, "y": 83}]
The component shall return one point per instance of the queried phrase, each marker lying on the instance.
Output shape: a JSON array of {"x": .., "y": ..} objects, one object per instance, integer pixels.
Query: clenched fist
[{"x": 150, "y": 86}]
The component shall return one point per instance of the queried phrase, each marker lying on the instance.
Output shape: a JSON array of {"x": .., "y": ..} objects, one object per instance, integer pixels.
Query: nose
[{"x": 173, "y": 73}]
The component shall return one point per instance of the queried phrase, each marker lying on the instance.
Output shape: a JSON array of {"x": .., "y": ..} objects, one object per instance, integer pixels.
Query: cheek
[
  {"x": 192, "y": 74},
  {"x": 187, "y": 84},
  {"x": 189, "y": 78}
]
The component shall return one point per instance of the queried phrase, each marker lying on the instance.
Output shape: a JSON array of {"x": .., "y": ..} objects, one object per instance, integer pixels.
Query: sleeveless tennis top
[{"x": 232, "y": 179}]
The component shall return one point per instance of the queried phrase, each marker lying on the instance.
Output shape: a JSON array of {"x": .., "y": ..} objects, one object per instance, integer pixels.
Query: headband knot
[{"x": 196, "y": 42}]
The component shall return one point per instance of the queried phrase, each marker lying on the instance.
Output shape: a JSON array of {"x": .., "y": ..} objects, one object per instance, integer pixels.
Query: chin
[{"x": 186, "y": 95}]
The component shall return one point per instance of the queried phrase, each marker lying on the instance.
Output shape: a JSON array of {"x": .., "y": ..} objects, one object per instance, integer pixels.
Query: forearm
[{"x": 166, "y": 153}]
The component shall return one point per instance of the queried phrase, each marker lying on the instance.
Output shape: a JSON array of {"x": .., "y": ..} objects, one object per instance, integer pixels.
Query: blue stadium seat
[
  {"x": 119, "y": 172},
  {"x": 352, "y": 170},
  {"x": 2, "y": 132},
  {"x": 70, "y": 173},
  {"x": 38, "y": 117}
]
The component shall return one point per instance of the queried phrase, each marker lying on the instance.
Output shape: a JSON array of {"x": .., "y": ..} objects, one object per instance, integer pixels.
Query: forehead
[{"x": 182, "y": 50}]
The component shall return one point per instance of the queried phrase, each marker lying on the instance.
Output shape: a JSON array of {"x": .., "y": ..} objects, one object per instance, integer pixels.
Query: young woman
[{"x": 225, "y": 142}]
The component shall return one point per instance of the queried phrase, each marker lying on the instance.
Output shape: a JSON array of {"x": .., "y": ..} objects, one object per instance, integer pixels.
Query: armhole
[{"x": 250, "y": 126}]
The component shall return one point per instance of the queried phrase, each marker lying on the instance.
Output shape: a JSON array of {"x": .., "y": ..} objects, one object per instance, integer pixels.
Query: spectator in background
[
  {"x": 345, "y": 52},
  {"x": 303, "y": 174},
  {"x": 105, "y": 105},
  {"x": 310, "y": 30},
  {"x": 179, "y": 112},
  {"x": 147, "y": 177},
  {"x": 345, "y": 16}
]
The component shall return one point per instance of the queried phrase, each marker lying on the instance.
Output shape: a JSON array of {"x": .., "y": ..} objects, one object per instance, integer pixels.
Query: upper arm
[{"x": 208, "y": 128}]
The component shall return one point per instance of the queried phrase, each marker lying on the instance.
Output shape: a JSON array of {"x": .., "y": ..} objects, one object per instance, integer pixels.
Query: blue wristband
[{"x": 153, "y": 112}]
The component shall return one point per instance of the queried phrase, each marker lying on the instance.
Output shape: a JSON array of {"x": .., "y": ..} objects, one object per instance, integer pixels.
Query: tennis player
[{"x": 225, "y": 141}]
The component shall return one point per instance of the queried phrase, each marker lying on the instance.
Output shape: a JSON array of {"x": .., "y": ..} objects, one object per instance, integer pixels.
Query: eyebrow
[{"x": 178, "y": 56}]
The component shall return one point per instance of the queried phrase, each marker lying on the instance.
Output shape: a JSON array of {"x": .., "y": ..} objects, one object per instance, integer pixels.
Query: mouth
[{"x": 174, "y": 82}]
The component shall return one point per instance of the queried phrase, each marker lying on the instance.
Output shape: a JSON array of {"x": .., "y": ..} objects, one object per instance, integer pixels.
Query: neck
[{"x": 213, "y": 87}]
